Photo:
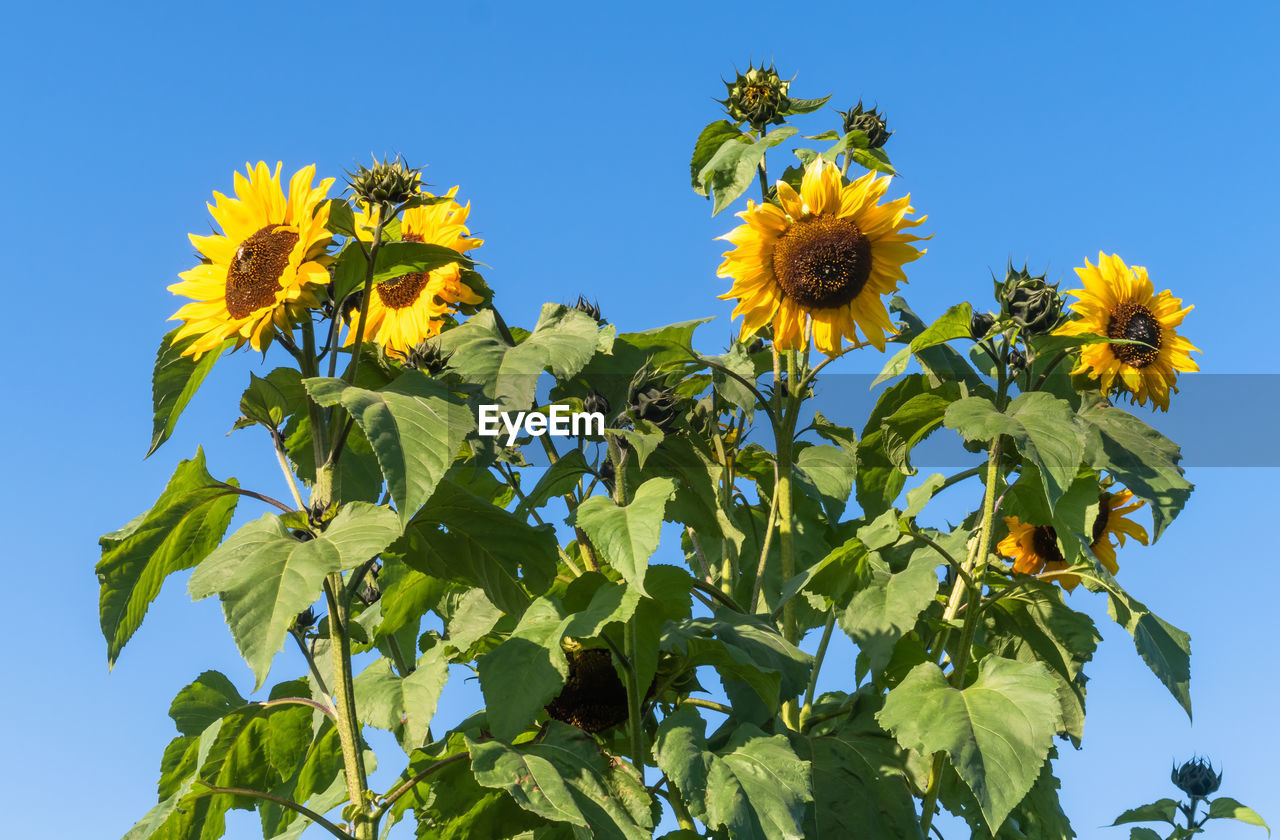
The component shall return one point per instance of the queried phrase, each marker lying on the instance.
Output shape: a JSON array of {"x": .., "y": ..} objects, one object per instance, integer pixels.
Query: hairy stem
[
  {"x": 817, "y": 666},
  {"x": 280, "y": 800},
  {"x": 348, "y": 726}
]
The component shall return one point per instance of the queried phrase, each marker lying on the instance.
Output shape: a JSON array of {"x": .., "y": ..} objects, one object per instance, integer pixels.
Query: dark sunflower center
[
  {"x": 1045, "y": 542},
  {"x": 1104, "y": 513},
  {"x": 822, "y": 262},
  {"x": 1135, "y": 322},
  {"x": 593, "y": 697},
  {"x": 253, "y": 277},
  {"x": 402, "y": 291}
]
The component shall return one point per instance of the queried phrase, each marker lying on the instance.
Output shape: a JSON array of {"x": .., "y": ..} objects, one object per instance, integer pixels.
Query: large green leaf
[
  {"x": 742, "y": 648},
  {"x": 265, "y": 575},
  {"x": 415, "y": 426},
  {"x": 398, "y": 258},
  {"x": 1043, "y": 427},
  {"x": 565, "y": 778},
  {"x": 885, "y": 608},
  {"x": 714, "y": 136},
  {"x": 853, "y": 796},
  {"x": 460, "y": 536},
  {"x": 184, "y": 525},
  {"x": 628, "y": 534},
  {"x": 732, "y": 168},
  {"x": 1142, "y": 459},
  {"x": 402, "y": 705},
  {"x": 953, "y": 324},
  {"x": 996, "y": 731},
  {"x": 563, "y": 342},
  {"x": 526, "y": 671},
  {"x": 879, "y": 480},
  {"x": 175, "y": 381},
  {"x": 1162, "y": 810},
  {"x": 269, "y": 400},
  {"x": 756, "y": 787}
]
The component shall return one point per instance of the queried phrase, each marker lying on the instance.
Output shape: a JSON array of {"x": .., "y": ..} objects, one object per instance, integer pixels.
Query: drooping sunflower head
[
  {"x": 263, "y": 268},
  {"x": 820, "y": 261},
  {"x": 405, "y": 310},
  {"x": 594, "y": 698},
  {"x": 1112, "y": 526},
  {"x": 1119, "y": 301},
  {"x": 1034, "y": 549}
]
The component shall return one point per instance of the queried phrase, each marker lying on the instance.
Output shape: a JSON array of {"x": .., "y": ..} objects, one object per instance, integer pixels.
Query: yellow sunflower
[
  {"x": 820, "y": 261},
  {"x": 265, "y": 265},
  {"x": 407, "y": 309},
  {"x": 1034, "y": 548},
  {"x": 1119, "y": 301}
]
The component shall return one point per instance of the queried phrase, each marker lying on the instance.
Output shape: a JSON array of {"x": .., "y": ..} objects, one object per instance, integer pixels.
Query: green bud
[
  {"x": 385, "y": 184},
  {"x": 1033, "y": 304},
  {"x": 758, "y": 97},
  {"x": 590, "y": 307},
  {"x": 870, "y": 122},
  {"x": 1196, "y": 778},
  {"x": 980, "y": 324},
  {"x": 427, "y": 357}
]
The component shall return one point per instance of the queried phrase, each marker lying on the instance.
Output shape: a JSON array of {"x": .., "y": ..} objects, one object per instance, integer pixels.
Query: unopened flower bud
[
  {"x": 427, "y": 357},
  {"x": 385, "y": 184},
  {"x": 591, "y": 307},
  {"x": 980, "y": 325},
  {"x": 1196, "y": 778},
  {"x": 758, "y": 97},
  {"x": 1033, "y": 304},
  {"x": 869, "y": 122}
]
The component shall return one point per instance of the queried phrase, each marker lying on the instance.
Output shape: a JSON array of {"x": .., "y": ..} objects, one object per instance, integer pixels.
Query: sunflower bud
[
  {"x": 869, "y": 122},
  {"x": 1017, "y": 361},
  {"x": 1196, "y": 778},
  {"x": 758, "y": 97},
  {"x": 427, "y": 357},
  {"x": 386, "y": 184},
  {"x": 756, "y": 346},
  {"x": 591, "y": 307},
  {"x": 305, "y": 620},
  {"x": 596, "y": 403},
  {"x": 1033, "y": 304},
  {"x": 654, "y": 404},
  {"x": 980, "y": 324}
]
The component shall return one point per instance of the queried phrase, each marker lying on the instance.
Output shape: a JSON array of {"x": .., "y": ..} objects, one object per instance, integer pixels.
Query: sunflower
[
  {"x": 1119, "y": 301},
  {"x": 407, "y": 309},
  {"x": 264, "y": 267},
  {"x": 827, "y": 253},
  {"x": 1034, "y": 548}
]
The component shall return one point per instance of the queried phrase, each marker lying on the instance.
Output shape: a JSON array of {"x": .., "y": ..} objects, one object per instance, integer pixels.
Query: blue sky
[{"x": 1035, "y": 134}]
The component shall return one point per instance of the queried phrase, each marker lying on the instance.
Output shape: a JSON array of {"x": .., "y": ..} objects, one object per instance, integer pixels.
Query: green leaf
[
  {"x": 526, "y": 671},
  {"x": 644, "y": 439},
  {"x": 627, "y": 535},
  {"x": 805, "y": 106},
  {"x": 953, "y": 324},
  {"x": 744, "y": 648},
  {"x": 732, "y": 169},
  {"x": 398, "y": 258},
  {"x": 1143, "y": 460},
  {"x": 1165, "y": 648},
  {"x": 563, "y": 342},
  {"x": 348, "y": 272},
  {"x": 460, "y": 536},
  {"x": 270, "y": 400},
  {"x": 340, "y": 219},
  {"x": 1224, "y": 807},
  {"x": 265, "y": 575},
  {"x": 755, "y": 787},
  {"x": 883, "y": 610},
  {"x": 1162, "y": 810},
  {"x": 908, "y": 426},
  {"x": 1042, "y": 426},
  {"x": 175, "y": 381},
  {"x": 853, "y": 796},
  {"x": 402, "y": 705},
  {"x": 415, "y": 425},
  {"x": 879, "y": 479},
  {"x": 830, "y": 471},
  {"x": 565, "y": 778},
  {"x": 874, "y": 159},
  {"x": 1143, "y": 833},
  {"x": 709, "y": 142},
  {"x": 556, "y": 480},
  {"x": 185, "y": 524},
  {"x": 407, "y": 595},
  {"x": 997, "y": 731},
  {"x": 209, "y": 698}
]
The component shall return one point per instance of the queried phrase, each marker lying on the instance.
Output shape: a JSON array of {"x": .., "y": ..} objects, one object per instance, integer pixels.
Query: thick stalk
[
  {"x": 348, "y": 726},
  {"x": 809, "y": 693},
  {"x": 973, "y": 613},
  {"x": 784, "y": 432}
]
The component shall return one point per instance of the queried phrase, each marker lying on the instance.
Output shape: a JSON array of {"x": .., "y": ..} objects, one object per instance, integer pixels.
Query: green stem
[
  {"x": 278, "y": 443},
  {"x": 768, "y": 540},
  {"x": 973, "y": 613},
  {"x": 786, "y": 545},
  {"x": 279, "y": 800},
  {"x": 348, "y": 725},
  {"x": 634, "y": 699},
  {"x": 678, "y": 807},
  {"x": 410, "y": 784},
  {"x": 817, "y": 666},
  {"x": 311, "y": 662},
  {"x": 707, "y": 704},
  {"x": 371, "y": 264},
  {"x": 763, "y": 171}
]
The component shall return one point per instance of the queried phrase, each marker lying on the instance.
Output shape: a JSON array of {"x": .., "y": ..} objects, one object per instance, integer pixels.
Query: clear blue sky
[{"x": 1039, "y": 133}]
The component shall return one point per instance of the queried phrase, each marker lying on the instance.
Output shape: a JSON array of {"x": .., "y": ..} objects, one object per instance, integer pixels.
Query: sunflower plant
[{"x": 633, "y": 685}]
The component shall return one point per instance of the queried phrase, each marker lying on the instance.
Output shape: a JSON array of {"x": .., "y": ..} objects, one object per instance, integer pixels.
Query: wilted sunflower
[
  {"x": 265, "y": 265},
  {"x": 1120, "y": 302},
  {"x": 827, "y": 253},
  {"x": 1034, "y": 548},
  {"x": 407, "y": 309}
]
